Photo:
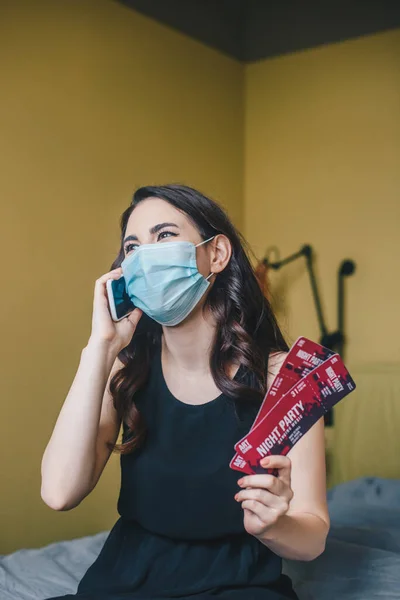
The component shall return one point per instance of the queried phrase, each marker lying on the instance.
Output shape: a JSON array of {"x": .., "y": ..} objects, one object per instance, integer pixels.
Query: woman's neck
[{"x": 187, "y": 346}]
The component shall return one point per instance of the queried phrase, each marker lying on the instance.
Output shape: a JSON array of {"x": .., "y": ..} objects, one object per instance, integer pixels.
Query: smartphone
[{"x": 118, "y": 300}]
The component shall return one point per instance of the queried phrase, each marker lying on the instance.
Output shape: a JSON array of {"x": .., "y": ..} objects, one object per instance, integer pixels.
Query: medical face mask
[{"x": 162, "y": 279}]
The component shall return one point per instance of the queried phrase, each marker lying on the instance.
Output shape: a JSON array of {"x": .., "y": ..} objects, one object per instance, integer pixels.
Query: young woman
[{"x": 185, "y": 374}]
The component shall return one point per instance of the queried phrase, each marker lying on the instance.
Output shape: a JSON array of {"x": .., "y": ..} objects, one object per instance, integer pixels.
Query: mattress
[{"x": 361, "y": 560}]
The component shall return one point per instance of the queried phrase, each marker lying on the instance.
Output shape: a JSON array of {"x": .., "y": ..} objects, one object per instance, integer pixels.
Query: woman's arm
[
  {"x": 69, "y": 460},
  {"x": 301, "y": 533},
  {"x": 289, "y": 513}
]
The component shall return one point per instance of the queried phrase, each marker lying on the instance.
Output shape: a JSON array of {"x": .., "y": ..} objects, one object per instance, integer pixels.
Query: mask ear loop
[
  {"x": 201, "y": 243},
  {"x": 205, "y": 241}
]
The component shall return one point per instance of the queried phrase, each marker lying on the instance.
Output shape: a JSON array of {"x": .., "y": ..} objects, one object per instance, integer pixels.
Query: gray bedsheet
[
  {"x": 361, "y": 560},
  {"x": 362, "y": 556}
]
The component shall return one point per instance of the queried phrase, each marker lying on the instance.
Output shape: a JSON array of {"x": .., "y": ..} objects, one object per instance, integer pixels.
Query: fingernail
[
  {"x": 265, "y": 461},
  {"x": 240, "y": 482}
]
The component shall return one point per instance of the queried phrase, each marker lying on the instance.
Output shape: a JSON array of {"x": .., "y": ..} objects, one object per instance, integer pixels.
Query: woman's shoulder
[{"x": 275, "y": 361}]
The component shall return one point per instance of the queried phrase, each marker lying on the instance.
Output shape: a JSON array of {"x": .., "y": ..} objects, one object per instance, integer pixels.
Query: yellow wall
[
  {"x": 322, "y": 166},
  {"x": 322, "y": 156},
  {"x": 95, "y": 100}
]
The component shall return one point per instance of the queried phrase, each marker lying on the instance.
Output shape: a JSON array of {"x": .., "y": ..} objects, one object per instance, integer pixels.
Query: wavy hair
[{"x": 246, "y": 328}]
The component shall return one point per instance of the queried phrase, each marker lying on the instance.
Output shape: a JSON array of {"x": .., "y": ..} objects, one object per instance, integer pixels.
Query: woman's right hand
[{"x": 104, "y": 330}]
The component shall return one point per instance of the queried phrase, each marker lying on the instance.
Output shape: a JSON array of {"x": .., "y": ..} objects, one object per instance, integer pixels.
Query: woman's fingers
[
  {"x": 134, "y": 316},
  {"x": 282, "y": 463},
  {"x": 260, "y": 495},
  {"x": 266, "y": 482},
  {"x": 270, "y": 482},
  {"x": 265, "y": 514}
]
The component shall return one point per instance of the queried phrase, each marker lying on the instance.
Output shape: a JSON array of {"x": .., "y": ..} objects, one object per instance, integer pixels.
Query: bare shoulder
[{"x": 275, "y": 361}]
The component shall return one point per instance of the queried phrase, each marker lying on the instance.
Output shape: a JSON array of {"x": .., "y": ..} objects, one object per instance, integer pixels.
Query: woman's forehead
[{"x": 153, "y": 211}]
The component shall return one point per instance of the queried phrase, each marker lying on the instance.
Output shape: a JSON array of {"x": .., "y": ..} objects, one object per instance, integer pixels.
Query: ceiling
[{"x": 250, "y": 30}]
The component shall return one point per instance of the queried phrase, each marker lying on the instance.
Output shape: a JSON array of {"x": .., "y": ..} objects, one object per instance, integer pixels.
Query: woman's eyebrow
[
  {"x": 130, "y": 238},
  {"x": 152, "y": 230},
  {"x": 161, "y": 226}
]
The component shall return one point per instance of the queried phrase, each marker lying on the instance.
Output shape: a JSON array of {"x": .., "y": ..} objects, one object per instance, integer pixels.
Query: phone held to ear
[{"x": 118, "y": 300}]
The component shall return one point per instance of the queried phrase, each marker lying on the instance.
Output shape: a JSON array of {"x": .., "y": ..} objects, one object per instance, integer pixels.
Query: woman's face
[{"x": 155, "y": 221}]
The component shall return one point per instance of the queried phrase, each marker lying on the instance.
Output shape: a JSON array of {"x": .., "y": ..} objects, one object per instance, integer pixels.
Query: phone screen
[{"x": 123, "y": 304}]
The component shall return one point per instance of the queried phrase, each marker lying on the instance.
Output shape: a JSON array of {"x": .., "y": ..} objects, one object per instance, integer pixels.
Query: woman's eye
[
  {"x": 162, "y": 235},
  {"x": 129, "y": 246},
  {"x": 166, "y": 234}
]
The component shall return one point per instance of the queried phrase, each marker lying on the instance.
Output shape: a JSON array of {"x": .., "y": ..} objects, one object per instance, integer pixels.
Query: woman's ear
[{"x": 221, "y": 253}]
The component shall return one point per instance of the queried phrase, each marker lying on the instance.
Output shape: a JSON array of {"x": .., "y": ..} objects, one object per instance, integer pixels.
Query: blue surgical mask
[{"x": 163, "y": 280}]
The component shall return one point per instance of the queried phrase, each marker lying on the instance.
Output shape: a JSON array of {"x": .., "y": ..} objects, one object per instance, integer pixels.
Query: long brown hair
[{"x": 246, "y": 331}]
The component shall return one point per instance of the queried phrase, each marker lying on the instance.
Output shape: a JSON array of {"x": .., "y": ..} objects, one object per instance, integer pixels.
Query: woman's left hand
[{"x": 266, "y": 497}]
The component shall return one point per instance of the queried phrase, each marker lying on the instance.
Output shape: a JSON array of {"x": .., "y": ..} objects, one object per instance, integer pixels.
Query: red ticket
[
  {"x": 304, "y": 356},
  {"x": 293, "y": 415}
]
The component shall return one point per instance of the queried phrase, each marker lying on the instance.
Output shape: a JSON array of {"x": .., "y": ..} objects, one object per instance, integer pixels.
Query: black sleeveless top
[{"x": 180, "y": 533}]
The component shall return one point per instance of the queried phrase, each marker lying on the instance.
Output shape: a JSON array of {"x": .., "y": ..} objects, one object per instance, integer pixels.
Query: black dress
[{"x": 180, "y": 534}]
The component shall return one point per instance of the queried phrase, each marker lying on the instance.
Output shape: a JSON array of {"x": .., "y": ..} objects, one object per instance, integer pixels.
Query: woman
[{"x": 187, "y": 371}]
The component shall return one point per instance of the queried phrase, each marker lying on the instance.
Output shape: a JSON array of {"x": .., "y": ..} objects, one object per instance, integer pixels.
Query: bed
[
  {"x": 362, "y": 556},
  {"x": 361, "y": 560}
]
